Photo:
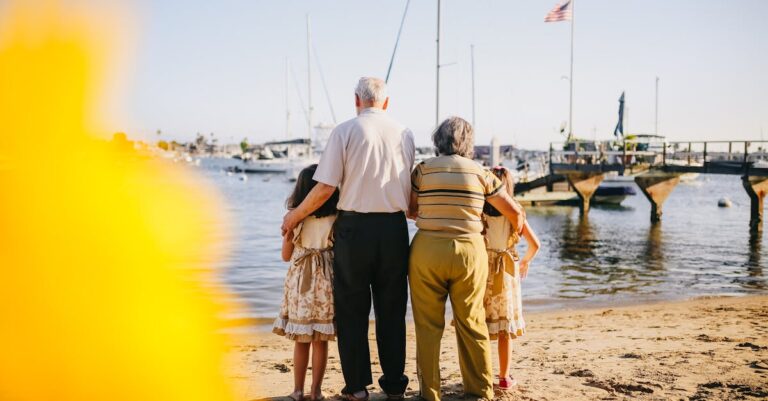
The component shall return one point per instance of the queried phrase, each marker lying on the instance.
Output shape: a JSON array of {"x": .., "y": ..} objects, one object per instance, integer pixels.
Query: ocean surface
[{"x": 613, "y": 256}]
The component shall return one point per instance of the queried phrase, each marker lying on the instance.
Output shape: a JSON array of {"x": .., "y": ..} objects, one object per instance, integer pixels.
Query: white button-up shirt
[{"x": 369, "y": 158}]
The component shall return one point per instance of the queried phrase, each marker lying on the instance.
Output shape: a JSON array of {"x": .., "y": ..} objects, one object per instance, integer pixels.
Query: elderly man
[{"x": 369, "y": 158}]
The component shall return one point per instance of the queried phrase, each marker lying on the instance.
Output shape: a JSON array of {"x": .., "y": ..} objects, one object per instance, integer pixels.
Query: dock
[{"x": 656, "y": 167}]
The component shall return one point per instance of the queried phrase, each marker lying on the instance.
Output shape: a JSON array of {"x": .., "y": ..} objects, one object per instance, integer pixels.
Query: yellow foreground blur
[{"x": 98, "y": 296}]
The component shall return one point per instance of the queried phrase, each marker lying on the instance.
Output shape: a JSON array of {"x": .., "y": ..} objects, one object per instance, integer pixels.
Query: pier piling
[
  {"x": 585, "y": 185},
  {"x": 757, "y": 188},
  {"x": 657, "y": 187},
  {"x": 662, "y": 163}
]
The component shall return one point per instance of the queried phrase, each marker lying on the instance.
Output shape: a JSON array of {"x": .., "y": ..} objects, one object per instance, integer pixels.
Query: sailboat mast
[
  {"x": 397, "y": 41},
  {"x": 437, "y": 89},
  {"x": 310, "y": 109},
  {"x": 570, "y": 78},
  {"x": 656, "y": 122},
  {"x": 472, "y": 54},
  {"x": 287, "y": 102}
]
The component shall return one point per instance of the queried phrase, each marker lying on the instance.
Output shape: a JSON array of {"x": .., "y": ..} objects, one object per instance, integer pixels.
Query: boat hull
[{"x": 292, "y": 167}]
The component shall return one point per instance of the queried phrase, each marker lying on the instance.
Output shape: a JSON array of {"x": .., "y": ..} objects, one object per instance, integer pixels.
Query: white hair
[{"x": 371, "y": 89}]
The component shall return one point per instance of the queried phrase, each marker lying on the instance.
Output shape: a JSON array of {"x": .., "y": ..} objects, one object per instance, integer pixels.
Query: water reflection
[
  {"x": 607, "y": 261},
  {"x": 754, "y": 268},
  {"x": 579, "y": 241},
  {"x": 654, "y": 248}
]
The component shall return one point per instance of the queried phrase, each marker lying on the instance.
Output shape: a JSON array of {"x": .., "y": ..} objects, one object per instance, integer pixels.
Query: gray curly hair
[{"x": 454, "y": 136}]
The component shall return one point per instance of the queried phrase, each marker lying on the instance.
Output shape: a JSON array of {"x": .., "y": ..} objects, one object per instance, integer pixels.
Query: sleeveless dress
[
  {"x": 307, "y": 311},
  {"x": 503, "y": 299}
]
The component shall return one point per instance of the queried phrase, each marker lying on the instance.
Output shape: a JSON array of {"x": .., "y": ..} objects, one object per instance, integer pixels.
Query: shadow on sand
[{"x": 450, "y": 392}]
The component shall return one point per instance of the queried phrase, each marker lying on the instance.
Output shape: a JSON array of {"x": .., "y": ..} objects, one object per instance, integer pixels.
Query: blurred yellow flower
[{"x": 101, "y": 250}]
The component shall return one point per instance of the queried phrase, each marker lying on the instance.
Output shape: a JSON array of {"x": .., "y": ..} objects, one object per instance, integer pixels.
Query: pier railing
[{"x": 716, "y": 157}]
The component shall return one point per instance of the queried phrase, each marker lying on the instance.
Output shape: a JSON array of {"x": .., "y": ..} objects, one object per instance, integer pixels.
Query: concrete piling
[
  {"x": 656, "y": 187},
  {"x": 585, "y": 185},
  {"x": 757, "y": 188}
]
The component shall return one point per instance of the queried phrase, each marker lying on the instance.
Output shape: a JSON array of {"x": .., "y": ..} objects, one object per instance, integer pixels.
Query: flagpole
[
  {"x": 472, "y": 54},
  {"x": 309, "y": 80},
  {"x": 570, "y": 80},
  {"x": 437, "y": 84},
  {"x": 656, "y": 123}
]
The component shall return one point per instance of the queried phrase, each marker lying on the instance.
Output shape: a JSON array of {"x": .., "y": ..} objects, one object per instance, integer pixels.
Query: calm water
[{"x": 613, "y": 256}]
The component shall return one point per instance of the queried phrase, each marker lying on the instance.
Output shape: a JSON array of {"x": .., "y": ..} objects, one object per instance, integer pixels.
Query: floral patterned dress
[
  {"x": 503, "y": 299},
  {"x": 306, "y": 313}
]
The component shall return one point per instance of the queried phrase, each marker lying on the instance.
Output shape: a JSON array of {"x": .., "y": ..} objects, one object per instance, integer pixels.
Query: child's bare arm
[
  {"x": 533, "y": 248},
  {"x": 287, "y": 246}
]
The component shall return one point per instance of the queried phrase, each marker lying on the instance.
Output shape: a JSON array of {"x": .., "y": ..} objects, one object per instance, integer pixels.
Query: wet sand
[{"x": 702, "y": 349}]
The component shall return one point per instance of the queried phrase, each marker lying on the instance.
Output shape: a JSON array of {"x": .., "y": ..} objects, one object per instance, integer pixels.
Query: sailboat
[{"x": 290, "y": 156}]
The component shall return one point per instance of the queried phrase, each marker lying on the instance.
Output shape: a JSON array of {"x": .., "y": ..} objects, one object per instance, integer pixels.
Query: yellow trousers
[{"x": 456, "y": 267}]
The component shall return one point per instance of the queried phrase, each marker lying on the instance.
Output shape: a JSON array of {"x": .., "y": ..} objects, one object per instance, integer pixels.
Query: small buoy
[
  {"x": 724, "y": 202},
  {"x": 243, "y": 177},
  {"x": 229, "y": 173}
]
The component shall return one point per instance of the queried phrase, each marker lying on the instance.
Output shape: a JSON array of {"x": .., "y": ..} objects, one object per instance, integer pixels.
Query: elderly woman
[{"x": 448, "y": 256}]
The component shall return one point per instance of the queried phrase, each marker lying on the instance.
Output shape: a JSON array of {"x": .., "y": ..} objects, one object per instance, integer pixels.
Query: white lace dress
[
  {"x": 307, "y": 311},
  {"x": 503, "y": 299}
]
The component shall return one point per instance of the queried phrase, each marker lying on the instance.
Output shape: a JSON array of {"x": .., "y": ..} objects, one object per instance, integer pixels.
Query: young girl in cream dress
[
  {"x": 503, "y": 299},
  {"x": 306, "y": 315}
]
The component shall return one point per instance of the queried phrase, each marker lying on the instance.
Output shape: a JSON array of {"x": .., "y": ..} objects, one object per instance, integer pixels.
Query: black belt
[{"x": 352, "y": 213}]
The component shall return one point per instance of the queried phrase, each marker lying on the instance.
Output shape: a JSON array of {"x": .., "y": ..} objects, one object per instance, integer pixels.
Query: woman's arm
[
  {"x": 509, "y": 208},
  {"x": 533, "y": 248},
  {"x": 413, "y": 206},
  {"x": 287, "y": 246}
]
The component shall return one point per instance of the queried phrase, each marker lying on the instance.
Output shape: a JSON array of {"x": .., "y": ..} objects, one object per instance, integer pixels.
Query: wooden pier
[{"x": 657, "y": 167}]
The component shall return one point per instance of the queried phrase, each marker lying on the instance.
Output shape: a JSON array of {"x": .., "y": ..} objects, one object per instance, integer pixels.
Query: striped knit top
[{"x": 451, "y": 193}]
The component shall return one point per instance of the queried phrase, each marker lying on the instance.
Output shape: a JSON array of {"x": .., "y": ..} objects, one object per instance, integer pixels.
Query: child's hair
[
  {"x": 304, "y": 184},
  {"x": 506, "y": 179}
]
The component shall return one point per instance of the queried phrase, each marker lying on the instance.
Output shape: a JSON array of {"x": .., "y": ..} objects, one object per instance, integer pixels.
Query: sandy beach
[{"x": 701, "y": 349}]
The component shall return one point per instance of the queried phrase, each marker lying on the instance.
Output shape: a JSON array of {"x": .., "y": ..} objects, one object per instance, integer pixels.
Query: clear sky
[{"x": 219, "y": 66}]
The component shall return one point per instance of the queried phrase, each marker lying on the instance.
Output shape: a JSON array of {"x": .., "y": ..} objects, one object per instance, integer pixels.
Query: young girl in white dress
[
  {"x": 503, "y": 300},
  {"x": 306, "y": 315}
]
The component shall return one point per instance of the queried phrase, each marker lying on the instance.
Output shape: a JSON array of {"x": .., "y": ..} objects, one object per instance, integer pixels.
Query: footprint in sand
[
  {"x": 581, "y": 373},
  {"x": 753, "y": 347},
  {"x": 613, "y": 386},
  {"x": 283, "y": 368}
]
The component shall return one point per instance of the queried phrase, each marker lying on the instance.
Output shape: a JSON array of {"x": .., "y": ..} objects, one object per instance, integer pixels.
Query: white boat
[
  {"x": 270, "y": 166},
  {"x": 291, "y": 156},
  {"x": 279, "y": 157}
]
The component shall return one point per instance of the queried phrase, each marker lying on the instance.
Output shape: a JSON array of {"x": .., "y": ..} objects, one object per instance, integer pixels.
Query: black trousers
[{"x": 371, "y": 261}]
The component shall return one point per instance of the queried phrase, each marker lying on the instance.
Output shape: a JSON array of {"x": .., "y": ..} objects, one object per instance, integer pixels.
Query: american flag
[{"x": 561, "y": 12}]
